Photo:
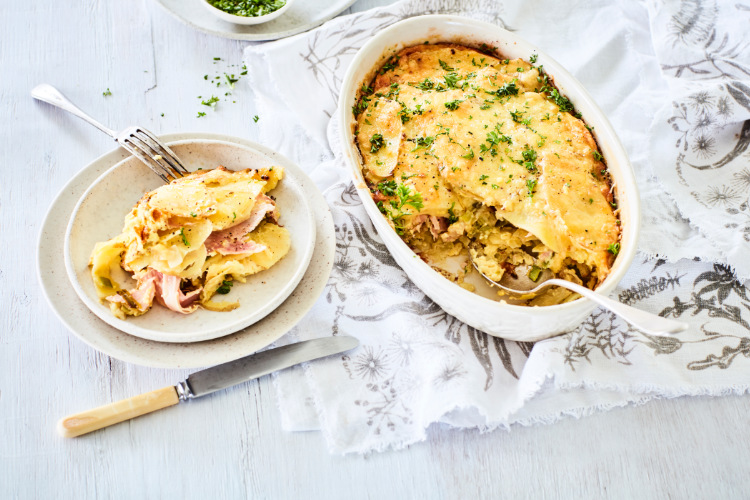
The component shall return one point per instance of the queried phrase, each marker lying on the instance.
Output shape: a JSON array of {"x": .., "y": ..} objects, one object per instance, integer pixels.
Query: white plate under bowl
[
  {"x": 502, "y": 320},
  {"x": 302, "y": 16},
  {"x": 100, "y": 214},
  {"x": 76, "y": 316}
]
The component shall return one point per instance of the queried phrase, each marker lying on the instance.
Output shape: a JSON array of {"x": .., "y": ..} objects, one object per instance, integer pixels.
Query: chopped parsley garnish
[
  {"x": 395, "y": 209},
  {"x": 518, "y": 117},
  {"x": 423, "y": 142},
  {"x": 211, "y": 102},
  {"x": 528, "y": 159},
  {"x": 425, "y": 84},
  {"x": 376, "y": 142},
  {"x": 532, "y": 60},
  {"x": 404, "y": 114},
  {"x": 107, "y": 92},
  {"x": 364, "y": 100},
  {"x": 357, "y": 109},
  {"x": 453, "y": 105},
  {"x": 506, "y": 90},
  {"x": 389, "y": 65},
  {"x": 451, "y": 80},
  {"x": 614, "y": 248},
  {"x": 184, "y": 238},
  {"x": 226, "y": 285},
  {"x": 388, "y": 188},
  {"x": 230, "y": 80},
  {"x": 529, "y": 154},
  {"x": 201, "y": 113},
  {"x": 256, "y": 118},
  {"x": 445, "y": 66},
  {"x": 562, "y": 102},
  {"x": 597, "y": 156},
  {"x": 530, "y": 185},
  {"x": 494, "y": 138},
  {"x": 452, "y": 217},
  {"x": 469, "y": 155}
]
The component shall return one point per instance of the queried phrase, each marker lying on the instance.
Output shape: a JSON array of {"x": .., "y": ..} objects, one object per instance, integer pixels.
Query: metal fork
[{"x": 136, "y": 140}]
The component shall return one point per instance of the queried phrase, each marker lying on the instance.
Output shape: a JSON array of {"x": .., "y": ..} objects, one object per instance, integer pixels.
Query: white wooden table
[{"x": 231, "y": 445}]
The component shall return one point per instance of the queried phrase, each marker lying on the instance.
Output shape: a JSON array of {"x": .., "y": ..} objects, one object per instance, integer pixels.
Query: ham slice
[
  {"x": 229, "y": 241},
  {"x": 438, "y": 225},
  {"x": 165, "y": 288},
  {"x": 144, "y": 293},
  {"x": 170, "y": 296}
]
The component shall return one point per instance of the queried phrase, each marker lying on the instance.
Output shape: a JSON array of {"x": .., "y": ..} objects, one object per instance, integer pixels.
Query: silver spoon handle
[
  {"x": 648, "y": 322},
  {"x": 51, "y": 95}
]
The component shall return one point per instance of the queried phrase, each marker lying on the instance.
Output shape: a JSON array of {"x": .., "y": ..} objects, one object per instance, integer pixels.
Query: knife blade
[
  {"x": 205, "y": 382},
  {"x": 256, "y": 365}
]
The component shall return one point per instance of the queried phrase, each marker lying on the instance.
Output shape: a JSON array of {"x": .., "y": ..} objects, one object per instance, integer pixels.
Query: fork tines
[{"x": 144, "y": 145}]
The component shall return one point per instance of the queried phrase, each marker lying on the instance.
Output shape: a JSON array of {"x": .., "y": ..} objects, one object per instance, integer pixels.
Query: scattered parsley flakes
[
  {"x": 445, "y": 66},
  {"x": 184, "y": 238},
  {"x": 423, "y": 142},
  {"x": 390, "y": 64},
  {"x": 211, "y": 102},
  {"x": 107, "y": 92},
  {"x": 452, "y": 217},
  {"x": 506, "y": 90},
  {"x": 256, "y": 118},
  {"x": 453, "y": 105},
  {"x": 530, "y": 185}
]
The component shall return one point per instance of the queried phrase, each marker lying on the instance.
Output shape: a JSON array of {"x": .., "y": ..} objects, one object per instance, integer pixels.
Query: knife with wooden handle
[{"x": 205, "y": 382}]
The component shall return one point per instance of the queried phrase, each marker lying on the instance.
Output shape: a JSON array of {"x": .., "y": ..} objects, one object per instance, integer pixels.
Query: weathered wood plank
[{"x": 231, "y": 444}]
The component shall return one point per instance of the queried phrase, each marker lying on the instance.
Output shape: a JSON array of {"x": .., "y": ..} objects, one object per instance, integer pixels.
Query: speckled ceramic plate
[
  {"x": 99, "y": 335},
  {"x": 99, "y": 216},
  {"x": 303, "y": 15}
]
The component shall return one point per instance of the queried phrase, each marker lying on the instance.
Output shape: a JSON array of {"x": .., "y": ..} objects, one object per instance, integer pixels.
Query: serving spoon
[{"x": 522, "y": 284}]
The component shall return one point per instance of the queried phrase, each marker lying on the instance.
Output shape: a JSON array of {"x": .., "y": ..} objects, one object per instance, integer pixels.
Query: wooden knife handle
[{"x": 104, "y": 416}]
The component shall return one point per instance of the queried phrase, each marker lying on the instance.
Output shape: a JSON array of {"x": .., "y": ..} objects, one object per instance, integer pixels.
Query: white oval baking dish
[{"x": 513, "y": 322}]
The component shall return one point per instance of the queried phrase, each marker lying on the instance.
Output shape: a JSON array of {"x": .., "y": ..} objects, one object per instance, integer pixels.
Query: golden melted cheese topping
[{"x": 464, "y": 129}]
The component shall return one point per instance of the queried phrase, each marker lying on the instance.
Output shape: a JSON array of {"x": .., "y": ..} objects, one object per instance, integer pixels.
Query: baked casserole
[{"x": 464, "y": 151}]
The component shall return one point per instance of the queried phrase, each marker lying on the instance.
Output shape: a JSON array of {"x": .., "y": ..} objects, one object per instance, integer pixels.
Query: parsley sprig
[
  {"x": 376, "y": 142},
  {"x": 396, "y": 209}
]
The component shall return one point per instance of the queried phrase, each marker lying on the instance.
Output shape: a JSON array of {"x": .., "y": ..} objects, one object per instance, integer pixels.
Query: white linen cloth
[{"x": 417, "y": 365}]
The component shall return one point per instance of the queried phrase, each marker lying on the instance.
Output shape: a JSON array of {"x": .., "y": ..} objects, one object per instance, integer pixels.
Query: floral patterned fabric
[
  {"x": 700, "y": 140},
  {"x": 416, "y": 364}
]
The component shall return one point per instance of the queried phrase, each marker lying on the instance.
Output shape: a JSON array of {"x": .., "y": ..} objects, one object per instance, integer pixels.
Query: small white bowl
[
  {"x": 231, "y": 18},
  {"x": 502, "y": 320},
  {"x": 100, "y": 214}
]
